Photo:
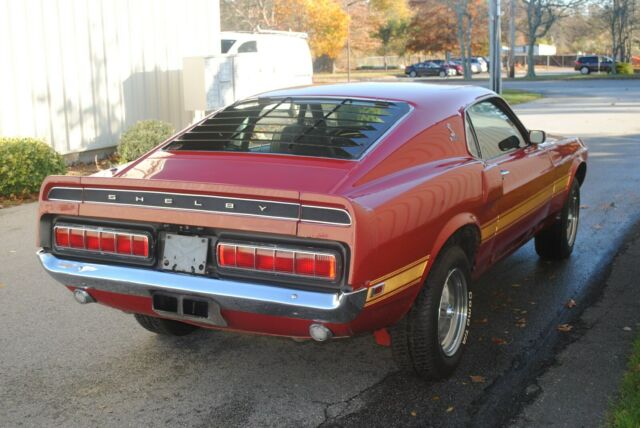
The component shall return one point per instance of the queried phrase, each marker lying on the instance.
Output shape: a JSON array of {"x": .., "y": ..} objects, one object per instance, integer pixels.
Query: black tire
[
  {"x": 557, "y": 241},
  {"x": 415, "y": 342},
  {"x": 165, "y": 327},
  {"x": 585, "y": 70},
  {"x": 442, "y": 73},
  {"x": 412, "y": 73}
]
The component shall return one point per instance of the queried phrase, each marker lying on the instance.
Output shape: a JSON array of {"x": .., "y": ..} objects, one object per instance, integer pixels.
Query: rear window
[{"x": 324, "y": 127}]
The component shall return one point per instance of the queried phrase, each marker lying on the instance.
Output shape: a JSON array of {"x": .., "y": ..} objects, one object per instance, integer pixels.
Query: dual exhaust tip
[{"x": 318, "y": 332}]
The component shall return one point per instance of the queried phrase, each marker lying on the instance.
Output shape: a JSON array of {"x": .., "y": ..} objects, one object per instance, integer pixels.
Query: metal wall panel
[{"x": 79, "y": 72}]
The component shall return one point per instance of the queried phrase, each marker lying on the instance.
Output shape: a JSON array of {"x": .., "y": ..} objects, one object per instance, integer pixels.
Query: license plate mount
[{"x": 185, "y": 253}]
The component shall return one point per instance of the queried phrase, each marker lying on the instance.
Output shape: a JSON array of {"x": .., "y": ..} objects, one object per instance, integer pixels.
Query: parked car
[
  {"x": 320, "y": 212},
  {"x": 474, "y": 64},
  {"x": 588, "y": 64},
  {"x": 450, "y": 64},
  {"x": 429, "y": 68}
]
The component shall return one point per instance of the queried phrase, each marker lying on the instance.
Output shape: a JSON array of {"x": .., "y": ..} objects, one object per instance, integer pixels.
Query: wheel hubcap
[
  {"x": 573, "y": 214},
  {"x": 452, "y": 315}
]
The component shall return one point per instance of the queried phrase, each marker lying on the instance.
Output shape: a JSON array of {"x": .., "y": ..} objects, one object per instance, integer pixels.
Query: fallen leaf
[
  {"x": 435, "y": 398},
  {"x": 478, "y": 379},
  {"x": 532, "y": 303},
  {"x": 482, "y": 321},
  {"x": 498, "y": 341},
  {"x": 565, "y": 328},
  {"x": 521, "y": 322},
  {"x": 450, "y": 409},
  {"x": 584, "y": 206},
  {"x": 523, "y": 312},
  {"x": 570, "y": 304},
  {"x": 413, "y": 413},
  {"x": 1, "y": 285},
  {"x": 627, "y": 328},
  {"x": 515, "y": 285}
]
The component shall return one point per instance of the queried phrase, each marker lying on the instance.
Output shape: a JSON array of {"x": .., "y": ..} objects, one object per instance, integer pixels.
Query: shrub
[
  {"x": 624, "y": 68},
  {"x": 24, "y": 163},
  {"x": 142, "y": 137}
]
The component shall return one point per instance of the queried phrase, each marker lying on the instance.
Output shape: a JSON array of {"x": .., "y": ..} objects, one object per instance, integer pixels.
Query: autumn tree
[
  {"x": 541, "y": 15},
  {"x": 434, "y": 19},
  {"x": 324, "y": 20},
  {"x": 394, "y": 23}
]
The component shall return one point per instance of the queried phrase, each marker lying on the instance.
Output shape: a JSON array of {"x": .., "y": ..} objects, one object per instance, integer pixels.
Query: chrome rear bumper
[{"x": 233, "y": 295}]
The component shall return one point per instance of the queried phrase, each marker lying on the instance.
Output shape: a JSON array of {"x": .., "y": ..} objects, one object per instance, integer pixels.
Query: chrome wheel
[
  {"x": 452, "y": 314},
  {"x": 573, "y": 214}
]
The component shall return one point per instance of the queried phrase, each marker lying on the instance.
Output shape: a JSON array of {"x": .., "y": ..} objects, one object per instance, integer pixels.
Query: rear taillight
[
  {"x": 320, "y": 265},
  {"x": 98, "y": 240}
]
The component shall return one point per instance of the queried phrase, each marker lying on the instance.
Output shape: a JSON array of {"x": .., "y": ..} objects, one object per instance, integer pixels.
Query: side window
[
  {"x": 248, "y": 47},
  {"x": 494, "y": 130},
  {"x": 472, "y": 145}
]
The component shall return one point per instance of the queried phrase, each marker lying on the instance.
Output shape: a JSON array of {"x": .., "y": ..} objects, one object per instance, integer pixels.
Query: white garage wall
[{"x": 79, "y": 72}]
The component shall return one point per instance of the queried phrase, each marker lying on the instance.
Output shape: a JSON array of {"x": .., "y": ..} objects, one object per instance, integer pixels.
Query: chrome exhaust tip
[
  {"x": 82, "y": 296},
  {"x": 319, "y": 333}
]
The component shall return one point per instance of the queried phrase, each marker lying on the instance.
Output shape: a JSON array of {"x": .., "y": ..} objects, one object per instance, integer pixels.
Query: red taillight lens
[
  {"x": 140, "y": 246},
  {"x": 227, "y": 255},
  {"x": 326, "y": 266},
  {"x": 276, "y": 260},
  {"x": 123, "y": 244},
  {"x": 284, "y": 261},
  {"x": 62, "y": 236},
  {"x": 245, "y": 257},
  {"x": 265, "y": 259},
  {"x": 76, "y": 238},
  {"x": 93, "y": 240},
  {"x": 305, "y": 264},
  {"x": 96, "y": 240},
  {"x": 108, "y": 242}
]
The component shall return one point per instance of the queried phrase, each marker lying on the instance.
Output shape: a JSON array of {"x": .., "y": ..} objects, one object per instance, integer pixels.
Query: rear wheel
[
  {"x": 164, "y": 327},
  {"x": 412, "y": 73},
  {"x": 442, "y": 73},
  {"x": 557, "y": 241},
  {"x": 430, "y": 339},
  {"x": 585, "y": 70}
]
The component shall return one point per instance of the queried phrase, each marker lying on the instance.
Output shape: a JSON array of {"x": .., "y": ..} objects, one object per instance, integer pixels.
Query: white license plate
[{"x": 185, "y": 253}]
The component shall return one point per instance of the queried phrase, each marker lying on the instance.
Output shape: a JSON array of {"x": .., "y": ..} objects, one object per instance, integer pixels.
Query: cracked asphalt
[{"x": 68, "y": 365}]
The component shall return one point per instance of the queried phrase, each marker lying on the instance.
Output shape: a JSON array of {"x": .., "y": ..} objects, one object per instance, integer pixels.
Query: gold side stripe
[
  {"x": 397, "y": 280},
  {"x": 514, "y": 214}
]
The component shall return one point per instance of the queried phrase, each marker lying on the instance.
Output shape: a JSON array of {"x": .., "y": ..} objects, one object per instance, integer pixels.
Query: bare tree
[
  {"x": 620, "y": 18},
  {"x": 540, "y": 17},
  {"x": 247, "y": 15}
]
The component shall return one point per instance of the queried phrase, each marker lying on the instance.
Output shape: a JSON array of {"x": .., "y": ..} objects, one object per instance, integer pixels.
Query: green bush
[
  {"x": 624, "y": 68},
  {"x": 24, "y": 163},
  {"x": 142, "y": 137}
]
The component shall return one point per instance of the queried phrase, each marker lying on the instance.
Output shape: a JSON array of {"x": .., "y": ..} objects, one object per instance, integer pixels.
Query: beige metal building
[{"x": 79, "y": 72}]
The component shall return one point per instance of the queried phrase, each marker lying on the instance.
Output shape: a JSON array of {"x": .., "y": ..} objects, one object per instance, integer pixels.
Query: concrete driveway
[{"x": 66, "y": 364}]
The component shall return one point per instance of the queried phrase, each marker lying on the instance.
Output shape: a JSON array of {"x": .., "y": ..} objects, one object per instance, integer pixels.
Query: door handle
[{"x": 504, "y": 172}]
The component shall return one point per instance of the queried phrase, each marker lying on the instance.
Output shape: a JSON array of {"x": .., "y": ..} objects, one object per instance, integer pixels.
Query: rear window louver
[{"x": 323, "y": 127}]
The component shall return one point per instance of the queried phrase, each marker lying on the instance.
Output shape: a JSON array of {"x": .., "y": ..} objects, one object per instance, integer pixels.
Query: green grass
[
  {"x": 626, "y": 412},
  {"x": 592, "y": 76},
  {"x": 514, "y": 96}
]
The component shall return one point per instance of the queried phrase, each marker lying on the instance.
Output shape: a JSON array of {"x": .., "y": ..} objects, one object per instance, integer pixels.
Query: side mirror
[{"x": 537, "y": 137}]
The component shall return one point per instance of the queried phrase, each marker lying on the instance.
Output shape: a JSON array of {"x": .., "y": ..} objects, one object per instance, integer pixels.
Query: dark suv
[{"x": 587, "y": 64}]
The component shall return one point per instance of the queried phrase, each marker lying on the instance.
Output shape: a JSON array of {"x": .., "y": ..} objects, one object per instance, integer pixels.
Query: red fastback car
[{"x": 320, "y": 212}]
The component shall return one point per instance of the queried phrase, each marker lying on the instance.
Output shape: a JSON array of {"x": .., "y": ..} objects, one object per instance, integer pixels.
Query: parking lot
[{"x": 66, "y": 364}]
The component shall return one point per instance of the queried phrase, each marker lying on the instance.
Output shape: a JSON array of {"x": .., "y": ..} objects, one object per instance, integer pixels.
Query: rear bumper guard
[{"x": 340, "y": 307}]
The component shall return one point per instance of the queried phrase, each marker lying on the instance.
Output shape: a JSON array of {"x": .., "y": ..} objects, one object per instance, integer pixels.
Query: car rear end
[{"x": 233, "y": 224}]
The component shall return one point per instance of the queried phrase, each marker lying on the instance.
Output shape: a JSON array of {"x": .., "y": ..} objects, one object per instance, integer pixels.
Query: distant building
[
  {"x": 78, "y": 73},
  {"x": 538, "y": 50}
]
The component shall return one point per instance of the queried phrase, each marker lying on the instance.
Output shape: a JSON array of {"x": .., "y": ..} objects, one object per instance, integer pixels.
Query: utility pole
[
  {"x": 512, "y": 39},
  {"x": 495, "y": 47}
]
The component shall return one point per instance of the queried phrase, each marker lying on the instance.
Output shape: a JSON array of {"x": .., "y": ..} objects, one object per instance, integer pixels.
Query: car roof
[{"x": 418, "y": 94}]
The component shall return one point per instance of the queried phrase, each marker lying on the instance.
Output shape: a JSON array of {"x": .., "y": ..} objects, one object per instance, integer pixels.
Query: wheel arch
[{"x": 463, "y": 230}]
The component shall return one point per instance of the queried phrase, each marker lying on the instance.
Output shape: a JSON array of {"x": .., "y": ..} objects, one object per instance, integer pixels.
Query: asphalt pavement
[{"x": 66, "y": 364}]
